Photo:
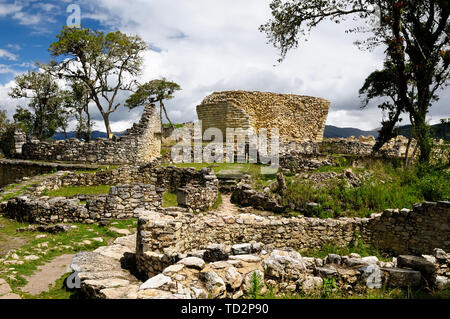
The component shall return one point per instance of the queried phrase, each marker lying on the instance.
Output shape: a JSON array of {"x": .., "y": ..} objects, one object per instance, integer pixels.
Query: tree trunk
[
  {"x": 424, "y": 143},
  {"x": 107, "y": 125},
  {"x": 165, "y": 112}
]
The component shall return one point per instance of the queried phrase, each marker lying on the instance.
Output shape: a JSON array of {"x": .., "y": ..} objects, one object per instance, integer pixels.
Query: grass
[
  {"x": 328, "y": 291},
  {"x": 388, "y": 187},
  {"x": 101, "y": 168},
  {"x": 169, "y": 199},
  {"x": 71, "y": 191},
  {"x": 357, "y": 247},
  {"x": 77, "y": 239}
]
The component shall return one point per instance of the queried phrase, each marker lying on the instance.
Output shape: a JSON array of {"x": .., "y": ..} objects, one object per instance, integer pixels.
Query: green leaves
[
  {"x": 45, "y": 114},
  {"x": 105, "y": 63},
  {"x": 151, "y": 92}
]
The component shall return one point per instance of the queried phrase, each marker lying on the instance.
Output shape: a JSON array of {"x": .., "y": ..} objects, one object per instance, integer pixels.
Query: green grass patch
[
  {"x": 358, "y": 247},
  {"x": 71, "y": 191},
  {"x": 81, "y": 238},
  {"x": 170, "y": 199},
  {"x": 388, "y": 187}
]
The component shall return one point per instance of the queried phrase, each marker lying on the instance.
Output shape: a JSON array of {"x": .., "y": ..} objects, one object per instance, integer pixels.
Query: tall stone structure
[
  {"x": 298, "y": 118},
  {"x": 141, "y": 144}
]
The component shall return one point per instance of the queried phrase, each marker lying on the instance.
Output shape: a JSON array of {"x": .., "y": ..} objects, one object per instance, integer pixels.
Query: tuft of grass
[
  {"x": 71, "y": 191},
  {"x": 388, "y": 187},
  {"x": 358, "y": 247},
  {"x": 170, "y": 199}
]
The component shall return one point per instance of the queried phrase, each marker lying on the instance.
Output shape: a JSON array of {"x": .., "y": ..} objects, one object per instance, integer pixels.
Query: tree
[
  {"x": 78, "y": 103},
  {"x": 105, "y": 63},
  {"x": 152, "y": 92},
  {"x": 6, "y": 135},
  {"x": 4, "y": 121},
  {"x": 46, "y": 100},
  {"x": 416, "y": 34}
]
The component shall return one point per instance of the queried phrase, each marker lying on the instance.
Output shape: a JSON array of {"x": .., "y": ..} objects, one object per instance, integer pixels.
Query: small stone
[
  {"x": 173, "y": 269},
  {"x": 31, "y": 257},
  {"x": 241, "y": 249},
  {"x": 398, "y": 277},
  {"x": 233, "y": 278},
  {"x": 193, "y": 262},
  {"x": 371, "y": 260},
  {"x": 246, "y": 258},
  {"x": 215, "y": 252},
  {"x": 155, "y": 282},
  {"x": 213, "y": 283},
  {"x": 333, "y": 259},
  {"x": 310, "y": 283}
]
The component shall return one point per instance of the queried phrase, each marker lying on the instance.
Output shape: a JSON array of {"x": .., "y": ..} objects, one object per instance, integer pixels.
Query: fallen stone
[
  {"x": 241, "y": 249},
  {"x": 193, "y": 262},
  {"x": 426, "y": 268},
  {"x": 156, "y": 282},
  {"x": 215, "y": 252},
  {"x": 213, "y": 283},
  {"x": 398, "y": 277},
  {"x": 284, "y": 264}
]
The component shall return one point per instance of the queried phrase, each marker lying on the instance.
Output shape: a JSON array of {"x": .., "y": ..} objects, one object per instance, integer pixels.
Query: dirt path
[
  {"x": 47, "y": 275},
  {"x": 227, "y": 207},
  {"x": 5, "y": 291}
]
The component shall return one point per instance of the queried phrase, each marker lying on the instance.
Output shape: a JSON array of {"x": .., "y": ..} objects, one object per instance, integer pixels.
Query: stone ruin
[
  {"x": 180, "y": 255},
  {"x": 141, "y": 144},
  {"x": 298, "y": 118}
]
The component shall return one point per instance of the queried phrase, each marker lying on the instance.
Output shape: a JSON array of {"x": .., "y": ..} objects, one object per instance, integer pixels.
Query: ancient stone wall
[
  {"x": 298, "y": 118},
  {"x": 132, "y": 187},
  {"x": 120, "y": 203},
  {"x": 12, "y": 170},
  {"x": 141, "y": 144},
  {"x": 419, "y": 231}
]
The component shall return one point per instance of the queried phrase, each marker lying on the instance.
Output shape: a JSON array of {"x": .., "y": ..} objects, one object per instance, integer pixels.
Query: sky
[{"x": 204, "y": 46}]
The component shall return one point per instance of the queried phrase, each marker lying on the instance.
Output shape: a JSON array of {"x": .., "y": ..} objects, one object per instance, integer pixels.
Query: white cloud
[
  {"x": 211, "y": 46},
  {"x": 4, "y": 54}
]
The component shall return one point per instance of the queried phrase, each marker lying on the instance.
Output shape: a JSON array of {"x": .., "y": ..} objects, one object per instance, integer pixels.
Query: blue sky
[{"x": 205, "y": 46}]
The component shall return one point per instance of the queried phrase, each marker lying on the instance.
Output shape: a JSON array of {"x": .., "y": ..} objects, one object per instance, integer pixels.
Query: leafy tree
[
  {"x": 78, "y": 103},
  {"x": 45, "y": 107},
  {"x": 4, "y": 121},
  {"x": 6, "y": 135},
  {"x": 105, "y": 63},
  {"x": 152, "y": 92},
  {"x": 416, "y": 34}
]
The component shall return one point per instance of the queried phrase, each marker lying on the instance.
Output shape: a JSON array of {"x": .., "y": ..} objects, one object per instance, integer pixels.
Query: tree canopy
[
  {"x": 152, "y": 92},
  {"x": 415, "y": 33},
  {"x": 105, "y": 62},
  {"x": 45, "y": 113}
]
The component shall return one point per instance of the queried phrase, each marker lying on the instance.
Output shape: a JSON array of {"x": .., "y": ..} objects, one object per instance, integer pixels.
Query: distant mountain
[
  {"x": 334, "y": 131},
  {"x": 440, "y": 131},
  {"x": 95, "y": 135}
]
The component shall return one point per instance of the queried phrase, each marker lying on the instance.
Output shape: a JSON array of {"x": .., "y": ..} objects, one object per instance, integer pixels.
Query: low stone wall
[
  {"x": 137, "y": 187},
  {"x": 141, "y": 144},
  {"x": 120, "y": 203},
  {"x": 161, "y": 238},
  {"x": 419, "y": 231},
  {"x": 12, "y": 170}
]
